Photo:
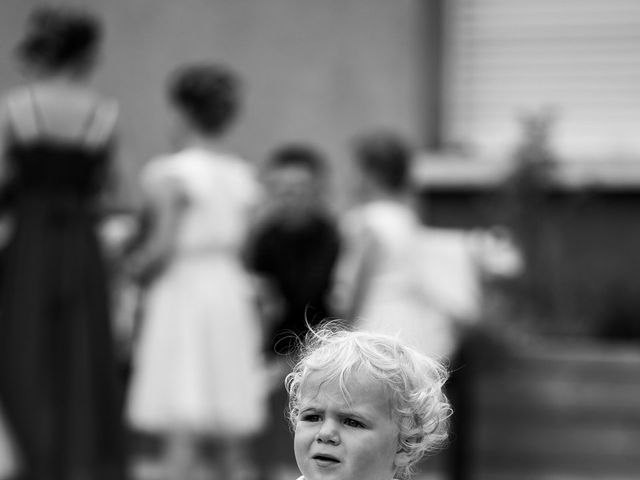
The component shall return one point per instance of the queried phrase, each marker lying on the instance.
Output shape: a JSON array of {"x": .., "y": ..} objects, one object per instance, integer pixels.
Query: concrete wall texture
[{"x": 314, "y": 70}]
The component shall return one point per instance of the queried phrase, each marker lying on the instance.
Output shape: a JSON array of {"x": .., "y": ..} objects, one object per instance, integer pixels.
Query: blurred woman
[
  {"x": 58, "y": 382},
  {"x": 380, "y": 277},
  {"x": 198, "y": 370}
]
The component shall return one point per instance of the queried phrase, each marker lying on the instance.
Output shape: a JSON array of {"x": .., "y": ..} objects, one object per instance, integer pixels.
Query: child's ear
[{"x": 403, "y": 457}]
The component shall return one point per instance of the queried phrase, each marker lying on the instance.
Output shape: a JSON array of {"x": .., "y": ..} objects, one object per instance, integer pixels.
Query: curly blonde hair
[{"x": 414, "y": 382}]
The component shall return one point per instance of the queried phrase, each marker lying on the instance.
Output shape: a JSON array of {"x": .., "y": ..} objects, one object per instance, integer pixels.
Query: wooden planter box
[{"x": 555, "y": 410}]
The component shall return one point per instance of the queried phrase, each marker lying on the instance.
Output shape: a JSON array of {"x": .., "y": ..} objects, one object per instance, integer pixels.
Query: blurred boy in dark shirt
[
  {"x": 293, "y": 249},
  {"x": 295, "y": 244}
]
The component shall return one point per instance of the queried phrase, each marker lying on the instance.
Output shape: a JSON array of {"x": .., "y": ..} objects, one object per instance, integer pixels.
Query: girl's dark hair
[
  {"x": 299, "y": 155},
  {"x": 59, "y": 37},
  {"x": 207, "y": 94},
  {"x": 386, "y": 158}
]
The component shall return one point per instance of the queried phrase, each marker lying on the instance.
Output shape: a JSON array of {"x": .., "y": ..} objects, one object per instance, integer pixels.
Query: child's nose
[{"x": 328, "y": 433}]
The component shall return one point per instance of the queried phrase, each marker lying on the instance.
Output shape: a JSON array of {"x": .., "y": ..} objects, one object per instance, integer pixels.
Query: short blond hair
[{"x": 414, "y": 381}]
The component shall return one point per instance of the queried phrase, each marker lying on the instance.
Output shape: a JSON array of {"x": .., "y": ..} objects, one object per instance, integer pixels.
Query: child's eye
[
  {"x": 310, "y": 417},
  {"x": 350, "y": 422}
]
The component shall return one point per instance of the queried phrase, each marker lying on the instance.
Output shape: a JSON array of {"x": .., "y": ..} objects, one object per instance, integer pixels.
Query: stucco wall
[{"x": 317, "y": 70}]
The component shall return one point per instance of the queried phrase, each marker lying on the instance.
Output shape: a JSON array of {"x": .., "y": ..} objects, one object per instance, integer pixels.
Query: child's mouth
[{"x": 325, "y": 460}]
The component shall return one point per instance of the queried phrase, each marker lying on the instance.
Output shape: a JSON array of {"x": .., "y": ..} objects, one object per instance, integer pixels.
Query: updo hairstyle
[
  {"x": 385, "y": 157},
  {"x": 207, "y": 95},
  {"x": 60, "y": 37}
]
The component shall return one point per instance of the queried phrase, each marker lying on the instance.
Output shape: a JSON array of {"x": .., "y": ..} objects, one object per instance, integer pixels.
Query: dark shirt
[{"x": 299, "y": 260}]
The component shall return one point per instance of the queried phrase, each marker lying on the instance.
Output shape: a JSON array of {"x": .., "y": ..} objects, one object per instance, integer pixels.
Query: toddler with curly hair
[{"x": 364, "y": 406}]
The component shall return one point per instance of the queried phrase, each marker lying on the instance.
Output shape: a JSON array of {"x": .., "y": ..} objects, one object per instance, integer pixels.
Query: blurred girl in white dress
[
  {"x": 198, "y": 370},
  {"x": 389, "y": 278}
]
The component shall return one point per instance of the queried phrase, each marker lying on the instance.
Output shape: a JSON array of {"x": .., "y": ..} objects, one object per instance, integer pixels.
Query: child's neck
[{"x": 205, "y": 142}]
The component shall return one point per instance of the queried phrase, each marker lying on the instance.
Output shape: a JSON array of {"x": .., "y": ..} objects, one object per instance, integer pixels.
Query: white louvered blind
[{"x": 580, "y": 57}]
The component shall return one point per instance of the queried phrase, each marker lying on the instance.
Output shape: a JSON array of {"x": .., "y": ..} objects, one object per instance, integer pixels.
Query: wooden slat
[
  {"x": 558, "y": 7},
  {"x": 557, "y": 411},
  {"x": 561, "y": 440}
]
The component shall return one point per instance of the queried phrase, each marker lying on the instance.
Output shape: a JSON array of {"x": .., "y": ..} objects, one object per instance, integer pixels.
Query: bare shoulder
[
  {"x": 15, "y": 99},
  {"x": 67, "y": 112},
  {"x": 17, "y": 113}
]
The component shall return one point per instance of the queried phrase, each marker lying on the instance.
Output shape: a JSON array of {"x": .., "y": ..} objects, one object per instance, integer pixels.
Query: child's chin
[{"x": 314, "y": 474}]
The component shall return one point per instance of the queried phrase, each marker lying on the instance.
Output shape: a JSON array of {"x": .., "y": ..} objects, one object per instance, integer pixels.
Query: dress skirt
[
  {"x": 58, "y": 378},
  {"x": 198, "y": 364}
]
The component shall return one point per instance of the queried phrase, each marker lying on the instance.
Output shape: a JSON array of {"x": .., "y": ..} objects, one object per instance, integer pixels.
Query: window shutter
[{"x": 581, "y": 58}]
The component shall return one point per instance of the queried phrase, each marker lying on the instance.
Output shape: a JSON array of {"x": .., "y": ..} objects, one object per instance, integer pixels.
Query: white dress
[
  {"x": 197, "y": 365},
  {"x": 413, "y": 287}
]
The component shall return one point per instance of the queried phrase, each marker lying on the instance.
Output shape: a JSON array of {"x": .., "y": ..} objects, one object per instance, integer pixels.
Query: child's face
[
  {"x": 294, "y": 188},
  {"x": 336, "y": 439}
]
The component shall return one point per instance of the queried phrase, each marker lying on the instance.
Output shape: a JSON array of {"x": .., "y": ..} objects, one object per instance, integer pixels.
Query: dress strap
[
  {"x": 100, "y": 124},
  {"x": 88, "y": 122},
  {"x": 38, "y": 117}
]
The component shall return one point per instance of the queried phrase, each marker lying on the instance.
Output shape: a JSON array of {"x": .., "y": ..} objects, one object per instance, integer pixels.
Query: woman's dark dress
[{"x": 58, "y": 381}]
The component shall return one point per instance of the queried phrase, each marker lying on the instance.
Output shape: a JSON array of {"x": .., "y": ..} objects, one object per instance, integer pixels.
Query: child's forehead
[
  {"x": 355, "y": 387},
  {"x": 292, "y": 172}
]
